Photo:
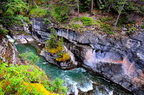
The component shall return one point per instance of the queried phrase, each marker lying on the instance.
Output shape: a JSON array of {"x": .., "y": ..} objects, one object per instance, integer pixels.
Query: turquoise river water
[{"x": 78, "y": 80}]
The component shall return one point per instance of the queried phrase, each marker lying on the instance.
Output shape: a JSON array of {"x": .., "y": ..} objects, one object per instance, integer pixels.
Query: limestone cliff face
[
  {"x": 120, "y": 59},
  {"x": 8, "y": 52}
]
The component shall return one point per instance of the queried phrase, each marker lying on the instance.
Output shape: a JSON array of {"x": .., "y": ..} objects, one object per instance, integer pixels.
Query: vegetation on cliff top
[{"x": 63, "y": 12}]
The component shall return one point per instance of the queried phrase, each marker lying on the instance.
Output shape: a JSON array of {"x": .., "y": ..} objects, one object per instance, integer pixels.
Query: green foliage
[
  {"x": 53, "y": 42},
  {"x": 47, "y": 21},
  {"x": 16, "y": 80},
  {"x": 14, "y": 12},
  {"x": 76, "y": 19},
  {"x": 61, "y": 13},
  {"x": 134, "y": 8},
  {"x": 39, "y": 2},
  {"x": 37, "y": 12},
  {"x": 30, "y": 56},
  {"x": 84, "y": 5},
  {"x": 74, "y": 26},
  {"x": 3, "y": 31},
  {"x": 58, "y": 86},
  {"x": 86, "y": 20},
  {"x": 142, "y": 8},
  {"x": 104, "y": 19},
  {"x": 15, "y": 7},
  {"x": 131, "y": 30},
  {"x": 14, "y": 20},
  {"x": 122, "y": 21},
  {"x": 116, "y": 5},
  {"x": 112, "y": 4},
  {"x": 104, "y": 22},
  {"x": 107, "y": 28},
  {"x": 56, "y": 45}
]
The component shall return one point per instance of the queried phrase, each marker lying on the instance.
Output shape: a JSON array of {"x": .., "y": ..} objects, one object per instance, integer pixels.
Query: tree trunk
[
  {"x": 78, "y": 8},
  {"x": 119, "y": 13},
  {"x": 91, "y": 7},
  {"x": 72, "y": 10}
]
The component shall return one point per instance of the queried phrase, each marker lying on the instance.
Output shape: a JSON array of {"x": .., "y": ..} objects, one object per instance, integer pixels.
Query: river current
[{"x": 78, "y": 80}]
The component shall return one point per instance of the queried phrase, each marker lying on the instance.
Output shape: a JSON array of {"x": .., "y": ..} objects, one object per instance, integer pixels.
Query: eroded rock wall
[
  {"x": 118, "y": 58},
  {"x": 8, "y": 52}
]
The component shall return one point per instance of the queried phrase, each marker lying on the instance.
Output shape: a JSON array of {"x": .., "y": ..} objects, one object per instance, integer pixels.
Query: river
[{"x": 78, "y": 80}]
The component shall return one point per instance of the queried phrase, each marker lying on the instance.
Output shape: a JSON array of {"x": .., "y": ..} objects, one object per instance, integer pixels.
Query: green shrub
[
  {"x": 61, "y": 13},
  {"x": 14, "y": 7},
  {"x": 30, "y": 57},
  {"x": 76, "y": 19},
  {"x": 75, "y": 26},
  {"x": 3, "y": 31},
  {"x": 53, "y": 41},
  {"x": 84, "y": 5},
  {"x": 104, "y": 19},
  {"x": 86, "y": 20},
  {"x": 58, "y": 86},
  {"x": 27, "y": 80},
  {"x": 56, "y": 45},
  {"x": 107, "y": 28},
  {"x": 37, "y": 12},
  {"x": 15, "y": 20},
  {"x": 132, "y": 30},
  {"x": 47, "y": 21}
]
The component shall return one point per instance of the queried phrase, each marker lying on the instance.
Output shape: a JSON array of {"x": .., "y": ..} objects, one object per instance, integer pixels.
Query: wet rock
[{"x": 119, "y": 59}]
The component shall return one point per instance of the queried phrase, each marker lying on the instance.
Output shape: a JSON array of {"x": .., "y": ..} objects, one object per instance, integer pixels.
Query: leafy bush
[
  {"x": 84, "y": 5},
  {"x": 30, "y": 56},
  {"x": 61, "y": 13},
  {"x": 14, "y": 20},
  {"x": 63, "y": 57},
  {"x": 54, "y": 50},
  {"x": 55, "y": 45},
  {"x": 107, "y": 28},
  {"x": 47, "y": 21},
  {"x": 104, "y": 19},
  {"x": 38, "y": 12},
  {"x": 54, "y": 42},
  {"x": 132, "y": 30},
  {"x": 3, "y": 31},
  {"x": 27, "y": 80},
  {"x": 75, "y": 19},
  {"x": 86, "y": 20},
  {"x": 15, "y": 7},
  {"x": 75, "y": 26}
]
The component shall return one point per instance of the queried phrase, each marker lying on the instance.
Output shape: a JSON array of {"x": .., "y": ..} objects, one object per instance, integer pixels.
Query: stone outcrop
[
  {"x": 118, "y": 58},
  {"x": 65, "y": 65},
  {"x": 21, "y": 34},
  {"x": 8, "y": 52}
]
